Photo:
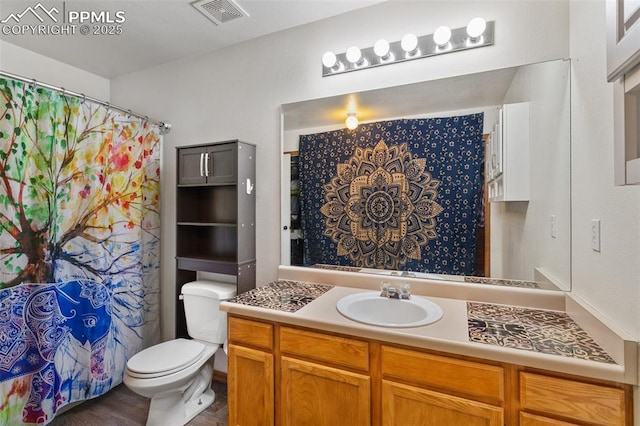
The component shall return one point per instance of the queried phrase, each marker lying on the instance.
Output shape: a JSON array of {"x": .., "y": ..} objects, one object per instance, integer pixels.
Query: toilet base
[{"x": 171, "y": 410}]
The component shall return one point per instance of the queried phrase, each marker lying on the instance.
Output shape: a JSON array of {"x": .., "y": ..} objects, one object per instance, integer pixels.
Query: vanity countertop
[{"x": 549, "y": 339}]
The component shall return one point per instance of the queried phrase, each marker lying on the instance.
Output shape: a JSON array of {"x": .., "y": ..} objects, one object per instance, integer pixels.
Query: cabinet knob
[{"x": 285, "y": 227}]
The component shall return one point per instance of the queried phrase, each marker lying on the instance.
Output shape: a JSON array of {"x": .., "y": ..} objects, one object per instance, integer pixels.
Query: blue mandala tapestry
[{"x": 401, "y": 195}]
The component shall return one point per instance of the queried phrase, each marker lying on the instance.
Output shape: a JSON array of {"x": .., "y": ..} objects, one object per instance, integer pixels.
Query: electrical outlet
[
  {"x": 554, "y": 226},
  {"x": 595, "y": 235}
]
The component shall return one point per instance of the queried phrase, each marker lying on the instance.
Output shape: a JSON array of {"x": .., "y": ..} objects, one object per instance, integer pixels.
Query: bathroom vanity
[{"x": 314, "y": 366}]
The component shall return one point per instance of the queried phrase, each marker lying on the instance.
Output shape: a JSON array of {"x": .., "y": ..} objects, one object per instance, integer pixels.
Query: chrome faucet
[{"x": 391, "y": 292}]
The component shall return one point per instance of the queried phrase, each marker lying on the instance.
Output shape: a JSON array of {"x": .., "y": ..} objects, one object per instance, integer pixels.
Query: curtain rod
[{"x": 164, "y": 127}]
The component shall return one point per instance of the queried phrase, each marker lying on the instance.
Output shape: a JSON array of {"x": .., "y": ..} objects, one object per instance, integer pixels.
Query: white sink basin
[{"x": 370, "y": 308}]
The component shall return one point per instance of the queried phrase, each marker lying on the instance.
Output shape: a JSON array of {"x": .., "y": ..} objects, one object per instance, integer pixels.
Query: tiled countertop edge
[{"x": 618, "y": 344}]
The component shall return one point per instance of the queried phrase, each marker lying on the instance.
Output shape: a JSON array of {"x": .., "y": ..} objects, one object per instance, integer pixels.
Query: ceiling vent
[{"x": 220, "y": 11}]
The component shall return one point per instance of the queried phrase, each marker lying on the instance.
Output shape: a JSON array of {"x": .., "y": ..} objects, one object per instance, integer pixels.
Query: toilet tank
[{"x": 202, "y": 300}]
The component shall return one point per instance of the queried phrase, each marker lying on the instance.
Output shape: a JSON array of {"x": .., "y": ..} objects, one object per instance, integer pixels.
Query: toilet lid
[{"x": 166, "y": 357}]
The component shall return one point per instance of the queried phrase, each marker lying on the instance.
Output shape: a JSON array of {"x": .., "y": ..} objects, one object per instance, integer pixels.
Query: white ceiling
[{"x": 161, "y": 31}]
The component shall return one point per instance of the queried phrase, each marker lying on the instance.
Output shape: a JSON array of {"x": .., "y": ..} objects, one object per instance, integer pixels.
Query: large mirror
[{"x": 520, "y": 240}]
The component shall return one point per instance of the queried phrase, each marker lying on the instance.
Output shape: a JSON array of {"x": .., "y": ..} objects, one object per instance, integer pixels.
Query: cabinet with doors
[
  {"x": 507, "y": 157},
  {"x": 324, "y": 379},
  {"x": 421, "y": 388},
  {"x": 288, "y": 375},
  {"x": 215, "y": 215},
  {"x": 208, "y": 164},
  {"x": 251, "y": 374}
]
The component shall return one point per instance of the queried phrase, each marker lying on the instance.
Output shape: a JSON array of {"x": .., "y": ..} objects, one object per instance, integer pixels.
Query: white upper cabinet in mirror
[{"x": 526, "y": 243}]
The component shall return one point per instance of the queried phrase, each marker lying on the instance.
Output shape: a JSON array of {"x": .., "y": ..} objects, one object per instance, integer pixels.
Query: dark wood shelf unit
[
  {"x": 205, "y": 224},
  {"x": 215, "y": 215}
]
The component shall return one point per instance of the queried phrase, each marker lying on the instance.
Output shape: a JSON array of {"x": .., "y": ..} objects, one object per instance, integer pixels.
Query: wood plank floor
[{"x": 120, "y": 406}]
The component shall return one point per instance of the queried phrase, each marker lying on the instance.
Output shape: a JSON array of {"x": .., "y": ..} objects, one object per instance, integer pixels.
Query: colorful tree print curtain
[
  {"x": 400, "y": 195},
  {"x": 79, "y": 248}
]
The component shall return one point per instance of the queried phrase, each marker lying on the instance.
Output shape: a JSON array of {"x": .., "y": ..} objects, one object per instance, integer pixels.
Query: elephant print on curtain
[{"x": 79, "y": 248}]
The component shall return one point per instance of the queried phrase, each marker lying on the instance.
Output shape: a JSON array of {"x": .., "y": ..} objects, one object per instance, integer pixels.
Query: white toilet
[{"x": 176, "y": 375}]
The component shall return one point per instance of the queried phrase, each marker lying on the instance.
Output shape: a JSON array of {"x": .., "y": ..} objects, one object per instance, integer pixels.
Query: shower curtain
[
  {"x": 79, "y": 248},
  {"x": 400, "y": 194}
]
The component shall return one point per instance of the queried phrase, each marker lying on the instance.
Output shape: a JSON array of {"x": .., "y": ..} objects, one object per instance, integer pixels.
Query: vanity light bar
[{"x": 355, "y": 59}]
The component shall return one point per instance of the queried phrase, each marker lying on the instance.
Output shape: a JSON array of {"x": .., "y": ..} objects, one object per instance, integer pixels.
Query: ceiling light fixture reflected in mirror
[
  {"x": 351, "y": 121},
  {"x": 478, "y": 33}
]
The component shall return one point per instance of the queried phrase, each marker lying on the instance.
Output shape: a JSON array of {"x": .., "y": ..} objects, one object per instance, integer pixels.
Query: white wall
[
  {"x": 521, "y": 239},
  {"x": 609, "y": 281},
  {"x": 25, "y": 63},
  {"x": 237, "y": 92}
]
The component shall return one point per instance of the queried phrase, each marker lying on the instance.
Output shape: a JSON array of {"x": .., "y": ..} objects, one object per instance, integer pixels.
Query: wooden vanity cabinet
[
  {"x": 426, "y": 389},
  {"x": 251, "y": 373},
  {"x": 324, "y": 379},
  {"x": 292, "y": 376}
]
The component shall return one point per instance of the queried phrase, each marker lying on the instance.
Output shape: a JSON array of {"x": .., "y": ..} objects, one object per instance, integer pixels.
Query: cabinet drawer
[
  {"x": 323, "y": 347},
  {"x": 475, "y": 379},
  {"x": 252, "y": 333},
  {"x": 574, "y": 400}
]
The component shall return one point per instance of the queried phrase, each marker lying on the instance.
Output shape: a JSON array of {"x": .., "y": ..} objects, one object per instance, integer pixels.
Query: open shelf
[
  {"x": 215, "y": 216},
  {"x": 213, "y": 242},
  {"x": 208, "y": 204}
]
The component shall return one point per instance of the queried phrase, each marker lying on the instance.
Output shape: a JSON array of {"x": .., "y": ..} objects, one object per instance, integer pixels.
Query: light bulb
[
  {"x": 381, "y": 48},
  {"x": 351, "y": 121},
  {"x": 329, "y": 59},
  {"x": 476, "y": 27},
  {"x": 354, "y": 55},
  {"x": 409, "y": 43},
  {"x": 442, "y": 36}
]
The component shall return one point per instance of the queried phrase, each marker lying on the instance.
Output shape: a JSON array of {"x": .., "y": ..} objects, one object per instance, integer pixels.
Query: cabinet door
[
  {"x": 499, "y": 143},
  {"x": 527, "y": 419},
  {"x": 404, "y": 405},
  {"x": 221, "y": 166},
  {"x": 313, "y": 394},
  {"x": 250, "y": 387},
  {"x": 191, "y": 166}
]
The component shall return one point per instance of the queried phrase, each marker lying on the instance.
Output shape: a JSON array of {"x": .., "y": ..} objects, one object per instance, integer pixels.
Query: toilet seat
[{"x": 165, "y": 358}]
